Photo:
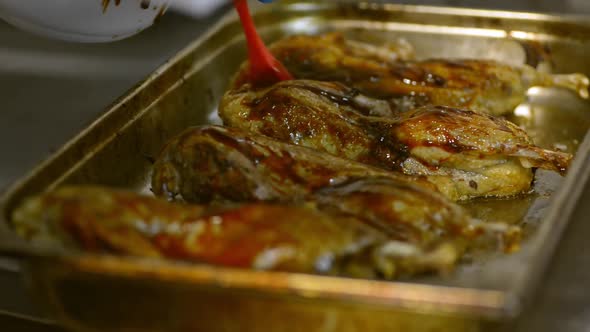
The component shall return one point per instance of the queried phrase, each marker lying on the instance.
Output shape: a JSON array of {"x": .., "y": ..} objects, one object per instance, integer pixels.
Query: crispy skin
[
  {"x": 333, "y": 51},
  {"x": 215, "y": 159},
  {"x": 406, "y": 212},
  {"x": 465, "y": 154},
  {"x": 212, "y": 159},
  {"x": 211, "y": 164},
  {"x": 259, "y": 236},
  {"x": 480, "y": 85},
  {"x": 425, "y": 229}
]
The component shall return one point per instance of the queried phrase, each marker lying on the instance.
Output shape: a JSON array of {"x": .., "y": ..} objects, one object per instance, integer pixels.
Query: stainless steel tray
[{"x": 105, "y": 293}]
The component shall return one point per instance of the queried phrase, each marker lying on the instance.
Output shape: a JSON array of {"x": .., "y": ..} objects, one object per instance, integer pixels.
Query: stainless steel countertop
[{"x": 51, "y": 90}]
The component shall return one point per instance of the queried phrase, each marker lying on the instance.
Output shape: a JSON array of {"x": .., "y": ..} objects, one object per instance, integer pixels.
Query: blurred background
[{"x": 51, "y": 89}]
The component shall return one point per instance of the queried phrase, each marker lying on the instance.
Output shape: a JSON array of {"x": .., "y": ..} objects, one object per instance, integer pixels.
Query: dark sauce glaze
[
  {"x": 406, "y": 84},
  {"x": 207, "y": 162},
  {"x": 441, "y": 120},
  {"x": 378, "y": 198},
  {"x": 280, "y": 163},
  {"x": 102, "y": 220},
  {"x": 303, "y": 66},
  {"x": 282, "y": 114},
  {"x": 106, "y": 3}
]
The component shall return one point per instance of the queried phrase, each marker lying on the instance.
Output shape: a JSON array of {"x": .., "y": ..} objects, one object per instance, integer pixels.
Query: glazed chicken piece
[
  {"x": 215, "y": 159},
  {"x": 258, "y": 236},
  {"x": 480, "y": 85},
  {"x": 207, "y": 164},
  {"x": 465, "y": 154},
  {"x": 333, "y": 51},
  {"x": 417, "y": 222}
]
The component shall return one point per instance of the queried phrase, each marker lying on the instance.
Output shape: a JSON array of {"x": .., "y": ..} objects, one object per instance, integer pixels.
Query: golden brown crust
[
  {"x": 481, "y": 85},
  {"x": 464, "y": 153},
  {"x": 406, "y": 208},
  {"x": 207, "y": 164},
  {"x": 260, "y": 236},
  {"x": 266, "y": 236}
]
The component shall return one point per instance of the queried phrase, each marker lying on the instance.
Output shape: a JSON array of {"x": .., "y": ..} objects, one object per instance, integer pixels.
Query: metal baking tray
[{"x": 106, "y": 293}]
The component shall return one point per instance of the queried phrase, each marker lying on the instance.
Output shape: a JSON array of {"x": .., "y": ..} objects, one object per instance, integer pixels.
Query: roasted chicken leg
[
  {"x": 480, "y": 85},
  {"x": 258, "y": 236},
  {"x": 206, "y": 164},
  {"x": 465, "y": 154},
  {"x": 215, "y": 159},
  {"x": 268, "y": 237}
]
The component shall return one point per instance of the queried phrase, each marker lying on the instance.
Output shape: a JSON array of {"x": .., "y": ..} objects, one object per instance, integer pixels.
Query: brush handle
[{"x": 263, "y": 65}]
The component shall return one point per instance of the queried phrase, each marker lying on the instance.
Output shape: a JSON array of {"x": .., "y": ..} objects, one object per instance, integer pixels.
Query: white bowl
[{"x": 83, "y": 20}]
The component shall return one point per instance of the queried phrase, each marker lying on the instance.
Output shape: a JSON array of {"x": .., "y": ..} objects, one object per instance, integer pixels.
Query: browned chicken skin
[
  {"x": 256, "y": 236},
  {"x": 465, "y": 154},
  {"x": 207, "y": 164},
  {"x": 259, "y": 236},
  {"x": 319, "y": 177},
  {"x": 209, "y": 159},
  {"x": 480, "y": 85}
]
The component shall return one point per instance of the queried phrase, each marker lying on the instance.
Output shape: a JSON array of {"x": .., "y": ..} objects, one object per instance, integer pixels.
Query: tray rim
[{"x": 497, "y": 304}]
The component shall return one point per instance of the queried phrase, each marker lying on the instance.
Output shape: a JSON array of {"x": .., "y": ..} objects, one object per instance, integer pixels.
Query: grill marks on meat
[
  {"x": 481, "y": 85},
  {"x": 465, "y": 154}
]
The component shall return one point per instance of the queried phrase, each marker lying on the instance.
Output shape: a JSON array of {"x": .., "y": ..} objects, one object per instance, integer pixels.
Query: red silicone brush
[{"x": 264, "y": 67}]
